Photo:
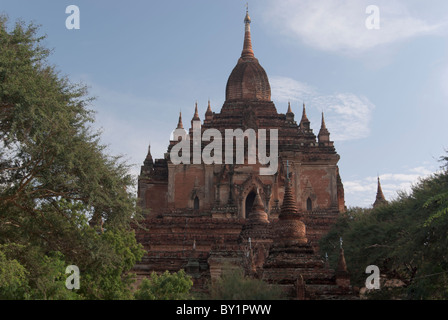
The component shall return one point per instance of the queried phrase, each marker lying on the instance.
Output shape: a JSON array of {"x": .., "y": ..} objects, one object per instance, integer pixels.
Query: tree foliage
[
  {"x": 234, "y": 285},
  {"x": 167, "y": 286},
  {"x": 63, "y": 200},
  {"x": 13, "y": 277},
  {"x": 407, "y": 239}
]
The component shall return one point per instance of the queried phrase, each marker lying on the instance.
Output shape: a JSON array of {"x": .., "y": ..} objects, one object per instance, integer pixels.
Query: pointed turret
[
  {"x": 324, "y": 134},
  {"x": 304, "y": 122},
  {"x": 179, "y": 123},
  {"x": 290, "y": 229},
  {"x": 289, "y": 206},
  {"x": 342, "y": 275},
  {"x": 247, "y": 47},
  {"x": 196, "y": 113},
  {"x": 195, "y": 121},
  {"x": 323, "y": 126},
  {"x": 342, "y": 265},
  {"x": 148, "y": 164},
  {"x": 380, "y": 199},
  {"x": 289, "y": 114},
  {"x": 209, "y": 112},
  {"x": 305, "y": 132},
  {"x": 148, "y": 159}
]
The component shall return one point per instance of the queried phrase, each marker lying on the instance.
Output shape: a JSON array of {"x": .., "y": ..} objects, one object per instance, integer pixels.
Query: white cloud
[
  {"x": 339, "y": 26},
  {"x": 340, "y": 108},
  {"x": 362, "y": 192},
  {"x": 285, "y": 89}
]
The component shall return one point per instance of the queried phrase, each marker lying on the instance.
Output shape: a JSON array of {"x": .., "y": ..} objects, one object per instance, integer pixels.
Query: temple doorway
[{"x": 250, "y": 202}]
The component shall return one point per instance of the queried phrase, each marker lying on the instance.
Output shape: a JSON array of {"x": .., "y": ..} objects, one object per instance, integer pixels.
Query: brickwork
[{"x": 202, "y": 216}]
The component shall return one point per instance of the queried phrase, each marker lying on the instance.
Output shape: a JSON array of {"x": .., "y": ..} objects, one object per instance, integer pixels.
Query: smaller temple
[
  {"x": 293, "y": 264},
  {"x": 380, "y": 199}
]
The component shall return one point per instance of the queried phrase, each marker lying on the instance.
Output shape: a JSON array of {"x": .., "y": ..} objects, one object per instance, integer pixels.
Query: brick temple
[{"x": 201, "y": 217}]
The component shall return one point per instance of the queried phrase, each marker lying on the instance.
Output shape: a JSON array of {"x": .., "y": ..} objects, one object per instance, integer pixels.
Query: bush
[
  {"x": 167, "y": 286},
  {"x": 234, "y": 285}
]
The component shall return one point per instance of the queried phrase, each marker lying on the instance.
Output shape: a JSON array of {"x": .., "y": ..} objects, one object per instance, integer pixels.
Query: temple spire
[
  {"x": 148, "y": 163},
  {"x": 209, "y": 109},
  {"x": 289, "y": 114},
  {"x": 209, "y": 112},
  {"x": 324, "y": 134},
  {"x": 148, "y": 160},
  {"x": 196, "y": 113},
  {"x": 342, "y": 274},
  {"x": 304, "y": 122},
  {"x": 304, "y": 117},
  {"x": 289, "y": 206},
  {"x": 380, "y": 199},
  {"x": 179, "y": 123},
  {"x": 290, "y": 229},
  {"x": 247, "y": 47},
  {"x": 289, "y": 107},
  {"x": 323, "y": 125}
]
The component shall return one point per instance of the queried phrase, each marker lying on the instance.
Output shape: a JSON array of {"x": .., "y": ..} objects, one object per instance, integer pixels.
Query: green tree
[
  {"x": 13, "y": 278},
  {"x": 234, "y": 285},
  {"x": 61, "y": 196},
  {"x": 406, "y": 239},
  {"x": 167, "y": 286}
]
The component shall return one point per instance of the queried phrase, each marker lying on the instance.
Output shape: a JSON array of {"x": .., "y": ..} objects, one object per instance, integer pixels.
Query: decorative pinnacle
[
  {"x": 324, "y": 134},
  {"x": 304, "y": 122},
  {"x": 289, "y": 107},
  {"x": 342, "y": 265},
  {"x": 289, "y": 207},
  {"x": 379, "y": 193},
  {"x": 196, "y": 114},
  {"x": 247, "y": 47},
  {"x": 148, "y": 159},
  {"x": 209, "y": 109},
  {"x": 323, "y": 126},
  {"x": 179, "y": 124}
]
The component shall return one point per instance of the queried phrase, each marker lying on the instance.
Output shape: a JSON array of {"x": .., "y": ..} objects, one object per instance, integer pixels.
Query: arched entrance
[
  {"x": 196, "y": 203},
  {"x": 249, "y": 202},
  {"x": 309, "y": 204}
]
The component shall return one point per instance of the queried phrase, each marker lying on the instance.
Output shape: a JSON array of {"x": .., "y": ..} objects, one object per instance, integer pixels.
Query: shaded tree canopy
[
  {"x": 407, "y": 239},
  {"x": 167, "y": 286},
  {"x": 63, "y": 200},
  {"x": 233, "y": 284}
]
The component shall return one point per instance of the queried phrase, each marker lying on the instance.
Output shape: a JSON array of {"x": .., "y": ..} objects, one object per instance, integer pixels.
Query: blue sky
[{"x": 384, "y": 92}]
